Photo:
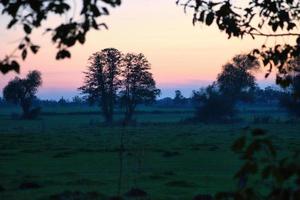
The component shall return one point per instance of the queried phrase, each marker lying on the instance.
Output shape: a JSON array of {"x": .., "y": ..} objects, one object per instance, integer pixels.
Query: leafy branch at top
[
  {"x": 30, "y": 15},
  {"x": 264, "y": 174},
  {"x": 266, "y": 18}
]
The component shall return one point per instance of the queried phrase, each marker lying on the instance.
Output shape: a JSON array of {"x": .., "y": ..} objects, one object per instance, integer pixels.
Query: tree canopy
[
  {"x": 22, "y": 91},
  {"x": 235, "y": 83},
  {"x": 114, "y": 77},
  {"x": 31, "y": 15},
  {"x": 138, "y": 85},
  {"x": 102, "y": 80},
  {"x": 236, "y": 80}
]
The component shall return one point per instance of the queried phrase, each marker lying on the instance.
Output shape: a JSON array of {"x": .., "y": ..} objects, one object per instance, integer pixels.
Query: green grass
[{"x": 167, "y": 159}]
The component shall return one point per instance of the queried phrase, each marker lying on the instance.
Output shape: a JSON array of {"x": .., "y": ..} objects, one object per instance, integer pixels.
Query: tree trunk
[
  {"x": 25, "y": 104},
  {"x": 129, "y": 112},
  {"x": 121, "y": 158},
  {"x": 107, "y": 114}
]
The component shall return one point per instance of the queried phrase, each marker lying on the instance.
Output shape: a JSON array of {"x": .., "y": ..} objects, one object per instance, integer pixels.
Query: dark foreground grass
[{"x": 167, "y": 160}]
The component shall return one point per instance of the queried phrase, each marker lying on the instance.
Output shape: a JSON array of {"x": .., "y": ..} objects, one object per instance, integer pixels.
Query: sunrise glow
[{"x": 182, "y": 55}]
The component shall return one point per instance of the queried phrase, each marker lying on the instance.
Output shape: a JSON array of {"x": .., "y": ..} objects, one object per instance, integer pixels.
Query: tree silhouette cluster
[
  {"x": 22, "y": 92},
  {"x": 179, "y": 99},
  {"x": 31, "y": 15},
  {"x": 235, "y": 83},
  {"x": 114, "y": 78},
  {"x": 255, "y": 18}
]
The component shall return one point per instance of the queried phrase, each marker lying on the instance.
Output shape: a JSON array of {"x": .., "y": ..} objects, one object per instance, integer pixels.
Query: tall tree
[
  {"x": 236, "y": 81},
  {"x": 179, "y": 98},
  {"x": 23, "y": 91},
  {"x": 102, "y": 80},
  {"x": 138, "y": 85}
]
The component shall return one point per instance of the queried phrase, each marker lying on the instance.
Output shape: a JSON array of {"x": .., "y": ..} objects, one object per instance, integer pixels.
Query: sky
[{"x": 183, "y": 56}]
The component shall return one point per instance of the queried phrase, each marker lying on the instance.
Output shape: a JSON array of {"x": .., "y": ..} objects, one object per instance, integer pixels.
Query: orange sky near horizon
[{"x": 182, "y": 55}]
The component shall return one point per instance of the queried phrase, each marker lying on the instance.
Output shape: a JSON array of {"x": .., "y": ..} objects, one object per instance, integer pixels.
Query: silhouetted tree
[
  {"x": 138, "y": 85},
  {"x": 291, "y": 100},
  {"x": 269, "y": 95},
  {"x": 31, "y": 15},
  {"x": 179, "y": 98},
  {"x": 62, "y": 101},
  {"x": 77, "y": 100},
  {"x": 235, "y": 83},
  {"x": 102, "y": 80},
  {"x": 22, "y": 92},
  {"x": 164, "y": 102},
  {"x": 236, "y": 80},
  {"x": 255, "y": 18}
]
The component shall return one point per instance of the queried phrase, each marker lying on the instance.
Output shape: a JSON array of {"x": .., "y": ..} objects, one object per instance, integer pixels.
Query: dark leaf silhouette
[
  {"x": 264, "y": 174},
  {"x": 252, "y": 18},
  {"x": 30, "y": 15}
]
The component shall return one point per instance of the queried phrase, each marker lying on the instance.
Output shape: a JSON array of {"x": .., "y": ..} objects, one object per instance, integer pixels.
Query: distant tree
[
  {"x": 164, "y": 102},
  {"x": 138, "y": 85},
  {"x": 212, "y": 106},
  {"x": 254, "y": 18},
  {"x": 269, "y": 95},
  {"x": 62, "y": 101},
  {"x": 22, "y": 92},
  {"x": 236, "y": 81},
  {"x": 179, "y": 98},
  {"x": 291, "y": 100},
  {"x": 77, "y": 100},
  {"x": 102, "y": 80}
]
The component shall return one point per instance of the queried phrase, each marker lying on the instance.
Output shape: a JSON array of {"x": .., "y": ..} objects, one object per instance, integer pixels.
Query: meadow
[{"x": 68, "y": 149}]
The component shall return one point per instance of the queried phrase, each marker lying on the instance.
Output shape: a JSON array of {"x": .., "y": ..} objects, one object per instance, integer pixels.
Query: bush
[
  {"x": 291, "y": 104},
  {"x": 33, "y": 113},
  {"x": 212, "y": 106}
]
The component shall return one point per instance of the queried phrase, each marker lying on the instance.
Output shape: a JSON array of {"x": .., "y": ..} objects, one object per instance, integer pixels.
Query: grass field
[{"x": 166, "y": 158}]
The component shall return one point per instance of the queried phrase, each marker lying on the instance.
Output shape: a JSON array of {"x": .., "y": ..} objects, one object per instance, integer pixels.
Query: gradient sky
[{"x": 183, "y": 56}]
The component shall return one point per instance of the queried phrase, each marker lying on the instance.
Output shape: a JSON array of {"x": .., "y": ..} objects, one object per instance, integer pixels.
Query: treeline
[
  {"x": 75, "y": 101},
  {"x": 123, "y": 82},
  {"x": 269, "y": 96}
]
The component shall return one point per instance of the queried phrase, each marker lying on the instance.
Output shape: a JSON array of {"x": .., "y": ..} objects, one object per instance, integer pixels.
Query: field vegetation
[{"x": 68, "y": 149}]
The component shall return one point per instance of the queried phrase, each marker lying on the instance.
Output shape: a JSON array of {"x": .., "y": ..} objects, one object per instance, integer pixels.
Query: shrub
[{"x": 212, "y": 106}]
